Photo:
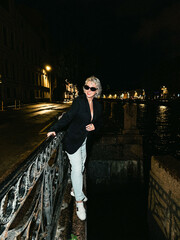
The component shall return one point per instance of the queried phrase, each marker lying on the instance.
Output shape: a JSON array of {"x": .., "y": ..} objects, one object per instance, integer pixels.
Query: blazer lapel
[
  {"x": 94, "y": 110},
  {"x": 88, "y": 108}
]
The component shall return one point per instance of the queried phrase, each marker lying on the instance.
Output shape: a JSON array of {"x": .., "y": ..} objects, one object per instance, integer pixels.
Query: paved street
[{"x": 22, "y": 130}]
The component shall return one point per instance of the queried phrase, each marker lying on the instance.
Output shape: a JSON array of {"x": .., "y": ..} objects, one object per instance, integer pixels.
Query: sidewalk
[{"x": 69, "y": 223}]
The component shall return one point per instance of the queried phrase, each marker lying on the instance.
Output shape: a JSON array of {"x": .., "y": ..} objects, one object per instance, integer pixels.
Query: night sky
[{"x": 128, "y": 44}]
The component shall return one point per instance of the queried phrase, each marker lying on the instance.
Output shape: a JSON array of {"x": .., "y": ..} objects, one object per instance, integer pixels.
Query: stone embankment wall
[
  {"x": 118, "y": 156},
  {"x": 164, "y": 199}
]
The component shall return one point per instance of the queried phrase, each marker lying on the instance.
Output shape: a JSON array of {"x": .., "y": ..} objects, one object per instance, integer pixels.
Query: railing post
[{"x": 130, "y": 118}]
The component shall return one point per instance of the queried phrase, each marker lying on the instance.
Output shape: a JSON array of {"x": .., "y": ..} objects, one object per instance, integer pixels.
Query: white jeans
[{"x": 77, "y": 161}]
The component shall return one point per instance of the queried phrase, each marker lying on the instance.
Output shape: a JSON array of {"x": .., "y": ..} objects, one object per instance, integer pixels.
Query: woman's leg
[
  {"x": 77, "y": 161},
  {"x": 83, "y": 154}
]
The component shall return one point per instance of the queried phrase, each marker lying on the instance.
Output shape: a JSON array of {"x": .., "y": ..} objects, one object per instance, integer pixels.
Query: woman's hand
[
  {"x": 51, "y": 134},
  {"x": 90, "y": 127}
]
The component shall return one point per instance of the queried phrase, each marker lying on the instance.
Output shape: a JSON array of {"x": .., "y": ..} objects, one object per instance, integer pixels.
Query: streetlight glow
[{"x": 48, "y": 68}]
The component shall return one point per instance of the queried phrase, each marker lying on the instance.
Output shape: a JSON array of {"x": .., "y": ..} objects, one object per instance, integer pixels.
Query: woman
[{"x": 83, "y": 119}]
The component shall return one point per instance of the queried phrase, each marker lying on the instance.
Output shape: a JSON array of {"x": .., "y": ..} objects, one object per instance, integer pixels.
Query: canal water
[
  {"x": 119, "y": 211},
  {"x": 158, "y": 122},
  {"x": 116, "y": 212}
]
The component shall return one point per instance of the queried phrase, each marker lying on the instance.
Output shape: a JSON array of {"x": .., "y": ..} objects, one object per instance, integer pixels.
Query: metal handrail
[{"x": 31, "y": 196}]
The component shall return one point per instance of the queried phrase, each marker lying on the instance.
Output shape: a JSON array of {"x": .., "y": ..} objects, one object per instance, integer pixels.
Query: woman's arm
[{"x": 65, "y": 119}]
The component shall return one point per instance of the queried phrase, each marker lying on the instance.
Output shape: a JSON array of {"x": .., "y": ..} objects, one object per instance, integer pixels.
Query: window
[
  {"x": 8, "y": 92},
  {"x": 13, "y": 72},
  {"x": 6, "y": 69},
  {"x": 23, "y": 49},
  {"x": 5, "y": 35},
  {"x": 43, "y": 43},
  {"x": 14, "y": 92},
  {"x": 12, "y": 40}
]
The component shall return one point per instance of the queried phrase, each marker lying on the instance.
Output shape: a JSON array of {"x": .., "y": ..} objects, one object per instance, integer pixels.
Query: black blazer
[{"x": 76, "y": 118}]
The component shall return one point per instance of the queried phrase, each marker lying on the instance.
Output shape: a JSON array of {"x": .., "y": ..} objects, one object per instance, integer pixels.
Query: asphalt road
[{"x": 23, "y": 130}]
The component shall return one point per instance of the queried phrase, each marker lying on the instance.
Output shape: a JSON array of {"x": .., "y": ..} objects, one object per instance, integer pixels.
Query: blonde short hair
[{"x": 98, "y": 84}]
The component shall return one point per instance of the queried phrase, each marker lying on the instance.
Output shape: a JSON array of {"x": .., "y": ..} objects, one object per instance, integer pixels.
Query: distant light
[
  {"x": 48, "y": 68},
  {"x": 142, "y": 105},
  {"x": 162, "y": 108}
]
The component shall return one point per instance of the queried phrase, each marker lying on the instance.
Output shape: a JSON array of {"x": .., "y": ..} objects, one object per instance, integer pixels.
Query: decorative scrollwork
[
  {"x": 22, "y": 186},
  {"x": 28, "y": 200},
  {"x": 8, "y": 205},
  {"x": 31, "y": 174}
]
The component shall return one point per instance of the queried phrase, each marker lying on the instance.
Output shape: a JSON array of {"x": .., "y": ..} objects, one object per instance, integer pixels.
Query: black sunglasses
[{"x": 93, "y": 89}]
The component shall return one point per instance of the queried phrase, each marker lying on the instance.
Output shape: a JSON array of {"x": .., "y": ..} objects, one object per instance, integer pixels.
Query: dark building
[{"x": 24, "y": 53}]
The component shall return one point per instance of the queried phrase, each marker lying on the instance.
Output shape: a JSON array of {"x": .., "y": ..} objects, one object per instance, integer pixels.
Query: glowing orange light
[{"x": 48, "y": 68}]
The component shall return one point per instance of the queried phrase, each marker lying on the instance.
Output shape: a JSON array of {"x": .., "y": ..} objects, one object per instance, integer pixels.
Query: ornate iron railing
[
  {"x": 31, "y": 197},
  {"x": 165, "y": 210}
]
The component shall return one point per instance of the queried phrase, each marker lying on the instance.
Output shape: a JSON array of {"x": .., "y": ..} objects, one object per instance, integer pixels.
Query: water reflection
[
  {"x": 162, "y": 121},
  {"x": 142, "y": 105},
  {"x": 165, "y": 139},
  {"x": 159, "y": 124},
  {"x": 162, "y": 114}
]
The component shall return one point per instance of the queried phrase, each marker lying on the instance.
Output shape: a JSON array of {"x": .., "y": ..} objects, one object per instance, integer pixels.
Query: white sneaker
[
  {"x": 72, "y": 193},
  {"x": 84, "y": 199},
  {"x": 80, "y": 210}
]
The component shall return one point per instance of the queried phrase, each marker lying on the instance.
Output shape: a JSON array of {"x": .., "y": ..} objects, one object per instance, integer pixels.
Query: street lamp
[{"x": 48, "y": 69}]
